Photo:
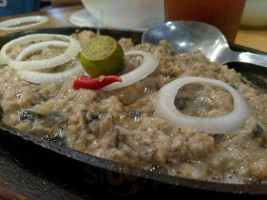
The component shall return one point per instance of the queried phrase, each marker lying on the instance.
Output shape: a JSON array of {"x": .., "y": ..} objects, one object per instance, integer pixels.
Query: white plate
[
  {"x": 83, "y": 18},
  {"x": 17, "y": 23}
]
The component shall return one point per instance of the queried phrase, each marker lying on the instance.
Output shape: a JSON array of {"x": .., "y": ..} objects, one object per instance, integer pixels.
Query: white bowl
[
  {"x": 129, "y": 14},
  {"x": 255, "y": 14}
]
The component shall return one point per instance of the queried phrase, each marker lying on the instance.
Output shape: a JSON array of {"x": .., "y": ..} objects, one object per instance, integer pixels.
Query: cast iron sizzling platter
[{"x": 36, "y": 150}]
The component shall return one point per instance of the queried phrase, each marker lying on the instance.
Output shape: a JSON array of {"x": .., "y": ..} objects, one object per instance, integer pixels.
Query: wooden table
[{"x": 253, "y": 38}]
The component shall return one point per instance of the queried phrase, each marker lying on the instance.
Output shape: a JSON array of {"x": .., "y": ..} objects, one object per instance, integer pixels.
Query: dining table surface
[{"x": 59, "y": 17}]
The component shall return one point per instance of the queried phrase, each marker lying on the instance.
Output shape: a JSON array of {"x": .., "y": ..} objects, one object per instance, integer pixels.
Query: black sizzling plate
[{"x": 38, "y": 168}]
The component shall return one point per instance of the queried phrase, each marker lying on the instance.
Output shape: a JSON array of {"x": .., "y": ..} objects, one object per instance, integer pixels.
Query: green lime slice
[{"x": 102, "y": 55}]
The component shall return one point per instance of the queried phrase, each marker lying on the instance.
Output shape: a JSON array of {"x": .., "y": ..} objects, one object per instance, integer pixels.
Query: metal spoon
[{"x": 187, "y": 36}]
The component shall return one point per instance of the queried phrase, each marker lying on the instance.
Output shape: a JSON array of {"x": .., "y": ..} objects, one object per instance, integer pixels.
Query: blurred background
[
  {"x": 254, "y": 15},
  {"x": 15, "y": 7}
]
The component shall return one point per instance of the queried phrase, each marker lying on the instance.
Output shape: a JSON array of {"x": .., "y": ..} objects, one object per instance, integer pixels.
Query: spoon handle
[{"x": 246, "y": 57}]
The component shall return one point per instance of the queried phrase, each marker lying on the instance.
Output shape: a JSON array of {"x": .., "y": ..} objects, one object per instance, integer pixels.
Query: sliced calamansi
[{"x": 102, "y": 55}]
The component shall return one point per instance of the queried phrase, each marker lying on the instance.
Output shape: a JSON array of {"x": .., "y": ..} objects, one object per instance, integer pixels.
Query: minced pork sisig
[{"x": 173, "y": 113}]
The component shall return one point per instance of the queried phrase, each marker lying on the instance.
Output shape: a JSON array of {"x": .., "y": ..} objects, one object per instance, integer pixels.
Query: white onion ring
[
  {"x": 37, "y": 20},
  {"x": 39, "y": 46},
  {"x": 149, "y": 64},
  {"x": 223, "y": 124},
  {"x": 59, "y": 77},
  {"x": 41, "y": 77},
  {"x": 71, "y": 52}
]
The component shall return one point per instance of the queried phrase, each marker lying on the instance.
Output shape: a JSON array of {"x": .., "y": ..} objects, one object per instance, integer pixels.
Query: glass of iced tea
[{"x": 224, "y": 14}]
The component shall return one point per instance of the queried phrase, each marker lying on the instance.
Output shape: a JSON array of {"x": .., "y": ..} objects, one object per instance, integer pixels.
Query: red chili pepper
[{"x": 94, "y": 83}]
